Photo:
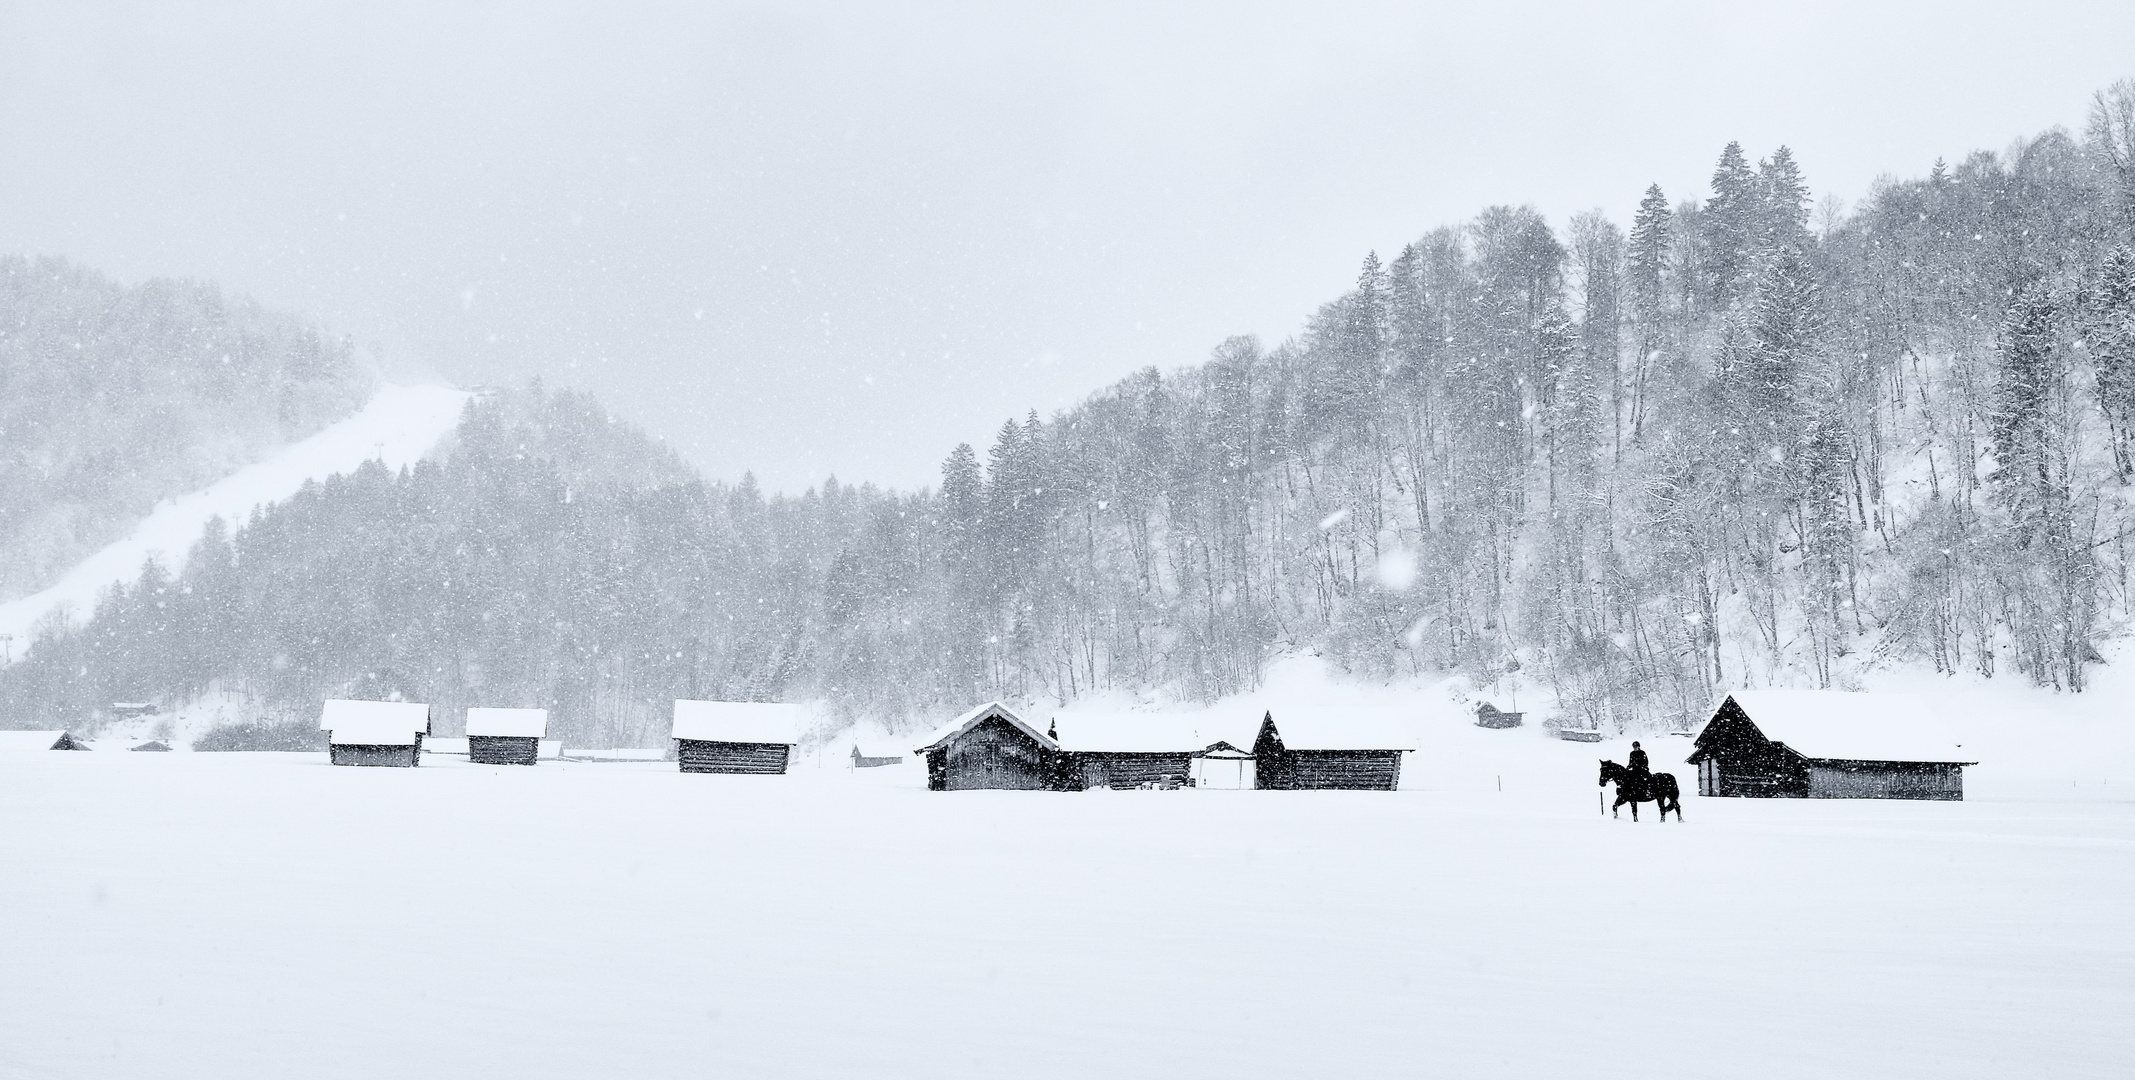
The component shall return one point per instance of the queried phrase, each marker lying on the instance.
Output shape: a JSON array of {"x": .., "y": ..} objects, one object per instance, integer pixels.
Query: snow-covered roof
[
  {"x": 374, "y": 723},
  {"x": 1338, "y": 729},
  {"x": 977, "y": 716},
  {"x": 740, "y": 722},
  {"x": 1848, "y": 726},
  {"x": 523, "y": 723},
  {"x": 1149, "y": 733},
  {"x": 31, "y": 740}
]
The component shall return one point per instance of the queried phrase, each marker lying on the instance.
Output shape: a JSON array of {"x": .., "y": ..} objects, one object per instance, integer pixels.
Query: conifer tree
[{"x": 1731, "y": 219}]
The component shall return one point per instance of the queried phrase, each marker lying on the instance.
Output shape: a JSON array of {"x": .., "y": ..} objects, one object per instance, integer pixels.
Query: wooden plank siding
[
  {"x": 404, "y": 757},
  {"x": 1885, "y": 780},
  {"x": 503, "y": 749},
  {"x": 705, "y": 756},
  {"x": 1317, "y": 770},
  {"x": 1125, "y": 771}
]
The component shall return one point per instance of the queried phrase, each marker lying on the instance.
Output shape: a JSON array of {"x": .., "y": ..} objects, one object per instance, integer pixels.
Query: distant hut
[
  {"x": 40, "y": 740},
  {"x": 991, "y": 747},
  {"x": 1819, "y": 744},
  {"x": 506, "y": 736},
  {"x": 1223, "y": 767},
  {"x": 1329, "y": 750},
  {"x": 155, "y": 747},
  {"x": 127, "y": 710},
  {"x": 865, "y": 761},
  {"x": 736, "y": 736},
  {"x": 1490, "y": 716},
  {"x": 375, "y": 732}
]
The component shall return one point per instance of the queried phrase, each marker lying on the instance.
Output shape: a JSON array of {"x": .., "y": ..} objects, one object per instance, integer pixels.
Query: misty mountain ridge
[
  {"x": 1624, "y": 468},
  {"x": 114, "y": 397}
]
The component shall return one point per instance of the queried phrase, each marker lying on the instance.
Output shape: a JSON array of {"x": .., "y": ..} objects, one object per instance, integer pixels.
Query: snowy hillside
[{"x": 398, "y": 426}]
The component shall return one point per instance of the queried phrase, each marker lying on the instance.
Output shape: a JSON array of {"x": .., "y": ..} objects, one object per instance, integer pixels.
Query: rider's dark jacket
[{"x": 1638, "y": 762}]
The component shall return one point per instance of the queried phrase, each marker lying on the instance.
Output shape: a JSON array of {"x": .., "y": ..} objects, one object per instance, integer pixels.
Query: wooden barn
[
  {"x": 1821, "y": 744},
  {"x": 375, "y": 732},
  {"x": 1490, "y": 716},
  {"x": 991, "y": 747},
  {"x": 506, "y": 736},
  {"x": 1124, "y": 751},
  {"x": 737, "y": 736},
  {"x": 39, "y": 740},
  {"x": 1329, "y": 750}
]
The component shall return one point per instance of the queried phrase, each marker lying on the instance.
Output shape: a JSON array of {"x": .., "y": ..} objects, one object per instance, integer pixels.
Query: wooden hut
[
  {"x": 737, "y": 736},
  {"x": 991, "y": 747},
  {"x": 375, "y": 732},
  {"x": 1820, "y": 744},
  {"x": 1329, "y": 750},
  {"x": 506, "y": 736},
  {"x": 1490, "y": 716},
  {"x": 39, "y": 740},
  {"x": 874, "y": 761}
]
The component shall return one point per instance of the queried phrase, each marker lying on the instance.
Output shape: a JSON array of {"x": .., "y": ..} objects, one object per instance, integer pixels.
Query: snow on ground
[
  {"x": 398, "y": 426},
  {"x": 216, "y": 915}
]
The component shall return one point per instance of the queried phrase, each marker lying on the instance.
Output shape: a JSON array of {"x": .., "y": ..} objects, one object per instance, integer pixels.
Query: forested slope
[
  {"x": 1741, "y": 441},
  {"x": 112, "y": 398}
]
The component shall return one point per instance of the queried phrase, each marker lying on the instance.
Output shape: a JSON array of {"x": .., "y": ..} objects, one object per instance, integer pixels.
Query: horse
[{"x": 1658, "y": 788}]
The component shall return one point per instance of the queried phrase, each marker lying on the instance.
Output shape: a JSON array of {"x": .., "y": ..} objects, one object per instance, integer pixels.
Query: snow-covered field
[
  {"x": 398, "y": 426},
  {"x": 230, "y": 915}
]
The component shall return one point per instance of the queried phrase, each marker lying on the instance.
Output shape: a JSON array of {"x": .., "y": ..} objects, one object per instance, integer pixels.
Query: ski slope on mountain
[{"x": 398, "y": 426}]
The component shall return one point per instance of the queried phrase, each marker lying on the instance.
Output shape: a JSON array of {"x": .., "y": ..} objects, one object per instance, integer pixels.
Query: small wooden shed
[
  {"x": 506, "y": 736},
  {"x": 991, "y": 747},
  {"x": 1330, "y": 750},
  {"x": 375, "y": 732},
  {"x": 39, "y": 740},
  {"x": 1825, "y": 744},
  {"x": 737, "y": 736},
  {"x": 1490, "y": 716}
]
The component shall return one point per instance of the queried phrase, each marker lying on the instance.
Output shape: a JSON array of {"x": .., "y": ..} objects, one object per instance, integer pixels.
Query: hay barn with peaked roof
[
  {"x": 1825, "y": 744},
  {"x": 1330, "y": 750},
  {"x": 992, "y": 748}
]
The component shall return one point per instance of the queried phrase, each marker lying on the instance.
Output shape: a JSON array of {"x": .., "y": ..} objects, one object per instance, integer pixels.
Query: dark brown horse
[{"x": 1631, "y": 788}]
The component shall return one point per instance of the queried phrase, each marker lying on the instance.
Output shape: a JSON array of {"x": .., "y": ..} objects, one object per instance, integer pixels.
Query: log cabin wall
[
  {"x": 705, "y": 756},
  {"x": 1885, "y": 780},
  {"x": 503, "y": 749},
  {"x": 1319, "y": 770},
  {"x": 404, "y": 757},
  {"x": 1122, "y": 772}
]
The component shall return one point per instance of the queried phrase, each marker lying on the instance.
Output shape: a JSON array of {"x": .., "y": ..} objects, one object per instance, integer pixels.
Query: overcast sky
[{"x": 814, "y": 239}]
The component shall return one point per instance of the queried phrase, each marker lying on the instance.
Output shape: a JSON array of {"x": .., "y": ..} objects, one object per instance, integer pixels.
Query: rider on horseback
[{"x": 1638, "y": 762}]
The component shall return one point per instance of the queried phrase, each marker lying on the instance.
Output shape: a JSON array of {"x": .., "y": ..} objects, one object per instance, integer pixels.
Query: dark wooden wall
[
  {"x": 703, "y": 756},
  {"x": 1935, "y": 780},
  {"x": 1310, "y": 770},
  {"x": 397, "y": 756},
  {"x": 1129, "y": 771},
  {"x": 503, "y": 749}
]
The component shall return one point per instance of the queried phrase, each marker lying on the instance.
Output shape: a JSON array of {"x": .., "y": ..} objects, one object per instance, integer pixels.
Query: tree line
[{"x": 1747, "y": 440}]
